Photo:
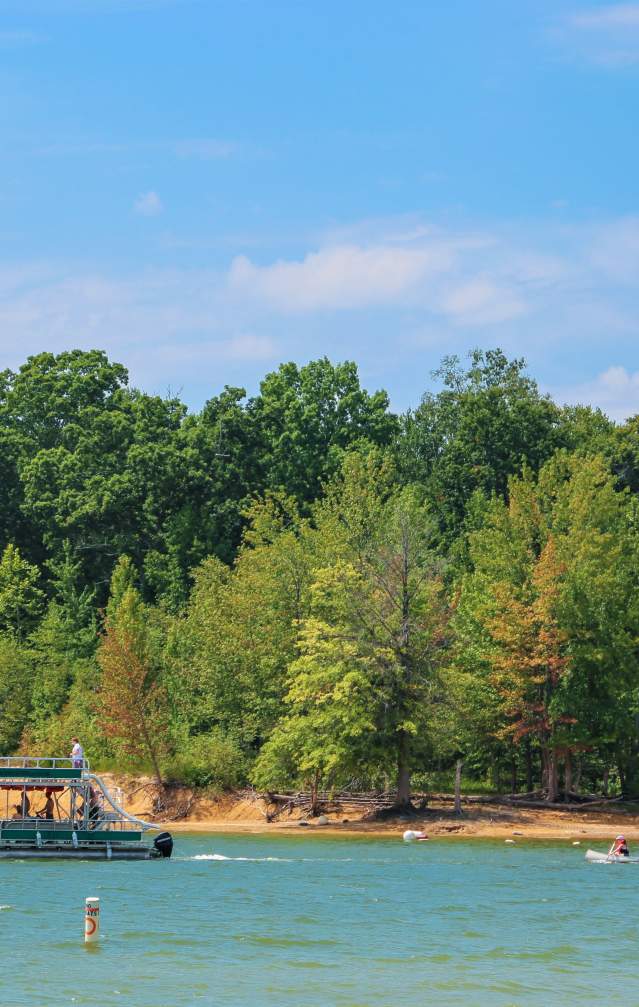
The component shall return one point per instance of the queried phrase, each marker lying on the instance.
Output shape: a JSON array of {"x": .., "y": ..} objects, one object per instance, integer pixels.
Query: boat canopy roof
[{"x": 18, "y": 769}]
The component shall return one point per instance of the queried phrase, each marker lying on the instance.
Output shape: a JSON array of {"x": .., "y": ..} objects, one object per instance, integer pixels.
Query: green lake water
[{"x": 306, "y": 920}]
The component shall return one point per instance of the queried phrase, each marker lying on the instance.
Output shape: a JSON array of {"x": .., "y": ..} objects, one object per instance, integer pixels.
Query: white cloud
[
  {"x": 615, "y": 391},
  {"x": 482, "y": 302},
  {"x": 250, "y": 347},
  {"x": 148, "y": 204},
  {"x": 167, "y": 326},
  {"x": 340, "y": 277},
  {"x": 616, "y": 251},
  {"x": 398, "y": 297},
  {"x": 607, "y": 36},
  {"x": 469, "y": 278}
]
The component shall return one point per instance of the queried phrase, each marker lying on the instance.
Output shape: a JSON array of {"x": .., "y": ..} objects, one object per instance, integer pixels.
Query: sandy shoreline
[
  {"x": 191, "y": 811},
  {"x": 536, "y": 827}
]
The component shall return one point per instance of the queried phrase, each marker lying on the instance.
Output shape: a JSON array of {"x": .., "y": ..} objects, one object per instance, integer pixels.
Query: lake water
[{"x": 308, "y": 920}]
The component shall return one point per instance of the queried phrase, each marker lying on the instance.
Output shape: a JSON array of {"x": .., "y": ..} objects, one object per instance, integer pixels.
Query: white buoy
[
  {"x": 510, "y": 841},
  {"x": 576, "y": 843},
  {"x": 92, "y": 920},
  {"x": 411, "y": 834}
]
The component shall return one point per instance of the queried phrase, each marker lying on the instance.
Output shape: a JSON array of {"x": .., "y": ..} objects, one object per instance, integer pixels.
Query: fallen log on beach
[{"x": 377, "y": 803}]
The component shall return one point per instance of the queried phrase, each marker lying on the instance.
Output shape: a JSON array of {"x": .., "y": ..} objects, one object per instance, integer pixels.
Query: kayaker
[{"x": 620, "y": 847}]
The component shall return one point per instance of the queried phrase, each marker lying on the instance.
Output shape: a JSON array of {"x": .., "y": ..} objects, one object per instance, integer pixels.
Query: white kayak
[{"x": 609, "y": 858}]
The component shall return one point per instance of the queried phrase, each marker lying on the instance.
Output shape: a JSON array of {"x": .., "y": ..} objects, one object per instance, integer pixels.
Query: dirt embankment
[{"x": 186, "y": 810}]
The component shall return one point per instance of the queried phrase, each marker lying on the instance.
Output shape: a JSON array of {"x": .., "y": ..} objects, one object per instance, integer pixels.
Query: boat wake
[
  {"x": 252, "y": 860},
  {"x": 275, "y": 860}
]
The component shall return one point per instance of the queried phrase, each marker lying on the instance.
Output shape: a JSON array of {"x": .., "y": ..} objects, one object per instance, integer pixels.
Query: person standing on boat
[
  {"x": 77, "y": 754},
  {"x": 619, "y": 848},
  {"x": 95, "y": 808}
]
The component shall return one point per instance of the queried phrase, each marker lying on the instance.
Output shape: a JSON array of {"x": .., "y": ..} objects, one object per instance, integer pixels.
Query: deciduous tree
[{"x": 132, "y": 700}]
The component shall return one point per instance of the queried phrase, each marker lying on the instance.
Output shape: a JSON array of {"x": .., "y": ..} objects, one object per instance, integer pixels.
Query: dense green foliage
[{"x": 301, "y": 589}]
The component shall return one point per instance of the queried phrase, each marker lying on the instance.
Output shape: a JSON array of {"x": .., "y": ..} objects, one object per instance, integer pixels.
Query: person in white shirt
[{"x": 77, "y": 754}]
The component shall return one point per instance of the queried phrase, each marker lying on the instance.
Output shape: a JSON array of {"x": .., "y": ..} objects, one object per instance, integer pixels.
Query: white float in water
[
  {"x": 412, "y": 834},
  {"x": 510, "y": 841},
  {"x": 91, "y": 920}
]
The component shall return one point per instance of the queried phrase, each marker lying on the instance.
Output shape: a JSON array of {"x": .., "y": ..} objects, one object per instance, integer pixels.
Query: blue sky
[{"x": 205, "y": 188}]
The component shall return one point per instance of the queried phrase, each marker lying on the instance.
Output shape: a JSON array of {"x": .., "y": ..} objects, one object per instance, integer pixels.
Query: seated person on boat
[
  {"x": 93, "y": 807},
  {"x": 23, "y": 807},
  {"x": 46, "y": 812}
]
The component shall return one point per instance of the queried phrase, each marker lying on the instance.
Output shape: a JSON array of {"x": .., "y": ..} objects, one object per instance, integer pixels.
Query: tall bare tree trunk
[
  {"x": 553, "y": 787},
  {"x": 576, "y": 782},
  {"x": 403, "y": 755},
  {"x": 544, "y": 769},
  {"x": 458, "y": 772},
  {"x": 153, "y": 755},
  {"x": 403, "y": 769},
  {"x": 567, "y": 774},
  {"x": 529, "y": 766},
  {"x": 314, "y": 793}
]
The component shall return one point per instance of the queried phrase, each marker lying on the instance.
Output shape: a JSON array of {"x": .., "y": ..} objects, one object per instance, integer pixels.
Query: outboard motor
[{"x": 164, "y": 844}]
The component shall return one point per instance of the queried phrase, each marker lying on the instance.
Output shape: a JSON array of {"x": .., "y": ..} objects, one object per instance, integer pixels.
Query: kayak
[{"x": 608, "y": 858}]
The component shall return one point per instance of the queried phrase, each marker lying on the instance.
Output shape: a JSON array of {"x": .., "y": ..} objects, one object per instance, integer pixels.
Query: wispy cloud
[
  {"x": 615, "y": 391},
  {"x": 148, "y": 204},
  {"x": 607, "y": 36},
  {"x": 205, "y": 150},
  {"x": 616, "y": 251},
  {"x": 16, "y": 39},
  {"x": 167, "y": 326},
  {"x": 597, "y": 18},
  {"x": 482, "y": 301},
  {"x": 393, "y": 297},
  {"x": 53, "y": 7},
  {"x": 471, "y": 279},
  {"x": 81, "y": 148}
]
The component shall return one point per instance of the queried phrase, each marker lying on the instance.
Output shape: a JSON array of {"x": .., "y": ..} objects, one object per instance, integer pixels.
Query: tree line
[{"x": 304, "y": 589}]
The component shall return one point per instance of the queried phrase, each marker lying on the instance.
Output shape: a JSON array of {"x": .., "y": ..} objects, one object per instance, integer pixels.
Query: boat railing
[
  {"x": 42, "y": 762},
  {"x": 102, "y": 823}
]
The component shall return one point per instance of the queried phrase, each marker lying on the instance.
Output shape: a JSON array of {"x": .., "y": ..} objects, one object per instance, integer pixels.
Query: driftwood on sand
[
  {"x": 376, "y": 802},
  {"x": 309, "y": 803},
  {"x": 532, "y": 801}
]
